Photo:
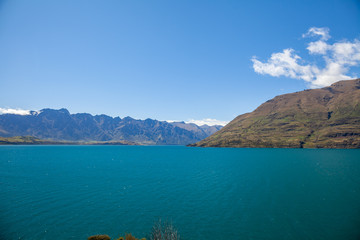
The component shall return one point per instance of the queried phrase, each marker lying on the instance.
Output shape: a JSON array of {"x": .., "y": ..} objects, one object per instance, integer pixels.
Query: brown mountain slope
[{"x": 320, "y": 118}]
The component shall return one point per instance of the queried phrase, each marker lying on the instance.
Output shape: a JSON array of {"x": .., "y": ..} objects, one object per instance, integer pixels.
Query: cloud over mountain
[
  {"x": 338, "y": 57},
  {"x": 208, "y": 121},
  {"x": 14, "y": 111}
]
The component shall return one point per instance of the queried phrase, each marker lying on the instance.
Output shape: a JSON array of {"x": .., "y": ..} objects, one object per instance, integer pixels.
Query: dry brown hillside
[{"x": 319, "y": 118}]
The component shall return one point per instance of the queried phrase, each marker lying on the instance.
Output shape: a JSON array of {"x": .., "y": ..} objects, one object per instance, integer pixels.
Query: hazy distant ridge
[{"x": 61, "y": 125}]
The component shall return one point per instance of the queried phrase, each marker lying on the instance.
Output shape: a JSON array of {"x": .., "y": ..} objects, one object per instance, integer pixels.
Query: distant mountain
[
  {"x": 203, "y": 131},
  {"x": 320, "y": 118},
  {"x": 60, "y": 125}
]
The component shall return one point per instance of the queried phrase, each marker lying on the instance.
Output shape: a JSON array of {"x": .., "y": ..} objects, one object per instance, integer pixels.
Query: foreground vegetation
[
  {"x": 107, "y": 237},
  {"x": 160, "y": 231}
]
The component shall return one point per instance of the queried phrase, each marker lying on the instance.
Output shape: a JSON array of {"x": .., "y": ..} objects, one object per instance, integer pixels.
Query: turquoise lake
[{"x": 73, "y": 192}]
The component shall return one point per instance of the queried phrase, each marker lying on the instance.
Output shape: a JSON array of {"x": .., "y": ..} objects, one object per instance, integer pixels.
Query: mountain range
[
  {"x": 60, "y": 125},
  {"x": 318, "y": 118}
]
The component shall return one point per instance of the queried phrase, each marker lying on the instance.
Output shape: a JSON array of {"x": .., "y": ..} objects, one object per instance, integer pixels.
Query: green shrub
[
  {"x": 99, "y": 237},
  {"x": 160, "y": 231}
]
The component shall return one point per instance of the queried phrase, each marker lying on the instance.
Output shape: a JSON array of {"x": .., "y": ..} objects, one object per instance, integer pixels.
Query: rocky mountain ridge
[{"x": 60, "y": 125}]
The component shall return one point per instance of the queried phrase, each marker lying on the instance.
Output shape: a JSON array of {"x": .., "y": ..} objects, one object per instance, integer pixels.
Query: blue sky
[{"x": 168, "y": 60}]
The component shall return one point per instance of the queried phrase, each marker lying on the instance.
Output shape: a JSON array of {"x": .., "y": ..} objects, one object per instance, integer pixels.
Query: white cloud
[
  {"x": 318, "y": 47},
  {"x": 322, "y": 32},
  {"x": 171, "y": 121},
  {"x": 284, "y": 64},
  {"x": 339, "y": 57},
  {"x": 14, "y": 111},
  {"x": 207, "y": 121}
]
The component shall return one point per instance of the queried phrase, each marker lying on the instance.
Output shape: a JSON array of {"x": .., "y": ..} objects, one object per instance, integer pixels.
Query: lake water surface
[{"x": 72, "y": 192}]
